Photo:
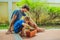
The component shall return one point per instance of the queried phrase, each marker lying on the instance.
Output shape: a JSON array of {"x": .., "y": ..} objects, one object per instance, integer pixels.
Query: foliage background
[{"x": 41, "y": 13}]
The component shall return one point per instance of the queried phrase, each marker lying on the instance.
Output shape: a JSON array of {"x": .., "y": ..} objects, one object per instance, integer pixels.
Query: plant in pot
[{"x": 31, "y": 32}]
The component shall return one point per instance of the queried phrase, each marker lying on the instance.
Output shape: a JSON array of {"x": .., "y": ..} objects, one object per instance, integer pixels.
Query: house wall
[{"x": 3, "y": 12}]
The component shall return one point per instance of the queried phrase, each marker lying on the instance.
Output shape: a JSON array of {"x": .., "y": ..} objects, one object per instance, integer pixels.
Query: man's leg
[
  {"x": 10, "y": 30},
  {"x": 36, "y": 27}
]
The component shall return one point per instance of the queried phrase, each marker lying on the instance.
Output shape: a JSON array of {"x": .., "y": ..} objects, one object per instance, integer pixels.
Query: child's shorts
[{"x": 18, "y": 30}]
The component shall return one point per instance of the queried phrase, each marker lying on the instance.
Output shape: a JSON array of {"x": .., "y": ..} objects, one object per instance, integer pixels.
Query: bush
[{"x": 41, "y": 13}]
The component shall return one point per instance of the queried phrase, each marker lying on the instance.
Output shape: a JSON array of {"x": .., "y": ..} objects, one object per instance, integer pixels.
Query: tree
[{"x": 36, "y": 7}]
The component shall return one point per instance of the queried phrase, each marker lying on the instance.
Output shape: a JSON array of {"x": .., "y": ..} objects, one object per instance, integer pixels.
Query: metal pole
[{"x": 10, "y": 9}]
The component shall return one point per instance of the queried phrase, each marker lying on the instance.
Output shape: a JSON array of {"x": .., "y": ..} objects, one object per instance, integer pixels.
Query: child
[{"x": 20, "y": 25}]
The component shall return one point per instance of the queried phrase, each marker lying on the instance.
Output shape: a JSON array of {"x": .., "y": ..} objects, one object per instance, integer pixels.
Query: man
[{"x": 17, "y": 15}]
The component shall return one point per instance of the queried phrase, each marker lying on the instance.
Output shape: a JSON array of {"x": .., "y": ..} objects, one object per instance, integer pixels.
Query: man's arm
[{"x": 33, "y": 24}]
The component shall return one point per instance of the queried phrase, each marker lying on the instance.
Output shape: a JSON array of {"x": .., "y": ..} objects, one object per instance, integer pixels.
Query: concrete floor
[
  {"x": 4, "y": 36},
  {"x": 47, "y": 35}
]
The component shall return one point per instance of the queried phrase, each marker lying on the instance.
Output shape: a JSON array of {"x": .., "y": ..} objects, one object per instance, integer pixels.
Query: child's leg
[
  {"x": 20, "y": 31},
  {"x": 36, "y": 27}
]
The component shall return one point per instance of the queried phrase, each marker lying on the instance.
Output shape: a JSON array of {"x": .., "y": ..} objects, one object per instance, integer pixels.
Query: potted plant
[{"x": 31, "y": 32}]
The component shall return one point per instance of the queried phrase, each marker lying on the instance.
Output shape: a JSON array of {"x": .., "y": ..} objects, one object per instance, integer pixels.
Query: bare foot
[
  {"x": 40, "y": 30},
  {"x": 9, "y": 32},
  {"x": 22, "y": 35}
]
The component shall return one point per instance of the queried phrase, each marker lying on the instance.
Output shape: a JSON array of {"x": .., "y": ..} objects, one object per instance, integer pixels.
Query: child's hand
[{"x": 22, "y": 35}]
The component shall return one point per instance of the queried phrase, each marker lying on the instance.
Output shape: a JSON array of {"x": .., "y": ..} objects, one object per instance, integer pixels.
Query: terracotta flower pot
[{"x": 31, "y": 32}]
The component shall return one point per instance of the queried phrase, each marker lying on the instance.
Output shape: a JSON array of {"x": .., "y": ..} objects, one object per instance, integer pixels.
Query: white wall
[
  {"x": 9, "y": 6},
  {"x": 9, "y": 0},
  {"x": 53, "y": 1}
]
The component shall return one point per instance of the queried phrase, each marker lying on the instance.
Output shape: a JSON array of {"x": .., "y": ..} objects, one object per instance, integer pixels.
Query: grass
[
  {"x": 50, "y": 26},
  {"x": 3, "y": 26}
]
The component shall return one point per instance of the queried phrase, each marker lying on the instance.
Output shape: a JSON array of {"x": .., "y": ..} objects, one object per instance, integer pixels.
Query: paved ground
[
  {"x": 3, "y": 36},
  {"x": 47, "y": 35}
]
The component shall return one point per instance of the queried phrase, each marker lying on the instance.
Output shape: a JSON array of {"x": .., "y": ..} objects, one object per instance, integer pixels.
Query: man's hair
[
  {"x": 27, "y": 18},
  {"x": 26, "y": 6}
]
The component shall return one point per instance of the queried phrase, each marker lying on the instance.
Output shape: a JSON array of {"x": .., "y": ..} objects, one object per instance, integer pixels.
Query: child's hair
[{"x": 27, "y": 18}]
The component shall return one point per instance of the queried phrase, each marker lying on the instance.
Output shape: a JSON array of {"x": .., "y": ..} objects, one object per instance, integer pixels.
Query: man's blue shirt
[{"x": 19, "y": 14}]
